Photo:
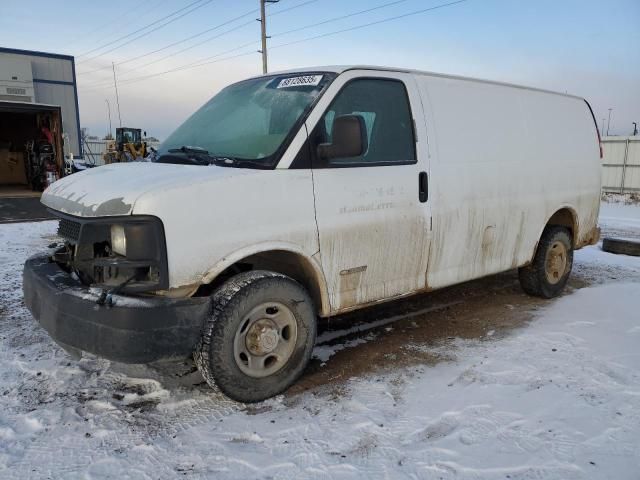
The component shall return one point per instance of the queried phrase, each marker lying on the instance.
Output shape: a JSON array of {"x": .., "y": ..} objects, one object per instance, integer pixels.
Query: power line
[
  {"x": 151, "y": 31},
  {"x": 335, "y": 32},
  {"x": 237, "y": 27},
  {"x": 197, "y": 63},
  {"x": 145, "y": 27},
  {"x": 378, "y": 22},
  {"x": 198, "y": 35},
  {"x": 108, "y": 23},
  {"x": 278, "y": 12},
  {"x": 97, "y": 85},
  {"x": 177, "y": 43},
  {"x": 228, "y": 31},
  {"x": 341, "y": 17}
]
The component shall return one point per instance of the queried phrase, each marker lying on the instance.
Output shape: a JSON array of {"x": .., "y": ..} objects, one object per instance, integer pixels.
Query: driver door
[{"x": 373, "y": 220}]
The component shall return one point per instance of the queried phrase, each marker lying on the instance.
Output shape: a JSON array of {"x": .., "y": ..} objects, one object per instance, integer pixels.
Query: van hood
[{"x": 113, "y": 189}]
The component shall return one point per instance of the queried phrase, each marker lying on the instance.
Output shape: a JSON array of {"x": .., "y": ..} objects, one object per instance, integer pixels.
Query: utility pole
[
  {"x": 115, "y": 84},
  {"x": 602, "y": 129},
  {"x": 635, "y": 128},
  {"x": 263, "y": 32},
  {"x": 609, "y": 121},
  {"x": 109, "y": 110}
]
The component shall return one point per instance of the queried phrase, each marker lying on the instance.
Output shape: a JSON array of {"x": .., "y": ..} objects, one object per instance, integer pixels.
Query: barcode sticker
[{"x": 312, "y": 80}]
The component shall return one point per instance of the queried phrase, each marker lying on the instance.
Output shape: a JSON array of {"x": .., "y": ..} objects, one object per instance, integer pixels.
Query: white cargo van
[{"x": 310, "y": 193}]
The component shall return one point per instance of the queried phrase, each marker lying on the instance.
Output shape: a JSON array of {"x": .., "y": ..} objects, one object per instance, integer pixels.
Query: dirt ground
[{"x": 485, "y": 309}]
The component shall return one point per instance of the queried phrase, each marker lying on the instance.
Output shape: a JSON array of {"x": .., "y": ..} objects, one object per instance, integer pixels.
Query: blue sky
[{"x": 589, "y": 48}]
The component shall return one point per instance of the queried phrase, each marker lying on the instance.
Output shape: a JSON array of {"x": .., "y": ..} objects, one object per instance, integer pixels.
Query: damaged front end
[{"x": 116, "y": 254}]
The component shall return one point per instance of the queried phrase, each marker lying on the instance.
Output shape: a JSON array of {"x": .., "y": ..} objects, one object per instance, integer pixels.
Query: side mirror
[{"x": 349, "y": 134}]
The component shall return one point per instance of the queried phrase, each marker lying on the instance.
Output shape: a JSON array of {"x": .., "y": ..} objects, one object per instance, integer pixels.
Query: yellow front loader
[{"x": 127, "y": 147}]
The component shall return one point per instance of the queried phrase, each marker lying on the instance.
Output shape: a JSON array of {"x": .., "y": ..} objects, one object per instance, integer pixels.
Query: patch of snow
[
  {"x": 620, "y": 220},
  {"x": 325, "y": 352}
]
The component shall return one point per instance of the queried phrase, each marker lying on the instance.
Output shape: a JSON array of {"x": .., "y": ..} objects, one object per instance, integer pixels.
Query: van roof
[{"x": 343, "y": 68}]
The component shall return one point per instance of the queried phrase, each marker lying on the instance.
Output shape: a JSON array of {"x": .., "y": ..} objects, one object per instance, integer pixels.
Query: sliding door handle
[{"x": 423, "y": 187}]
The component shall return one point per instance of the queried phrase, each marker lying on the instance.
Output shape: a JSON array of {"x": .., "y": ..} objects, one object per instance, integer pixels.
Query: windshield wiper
[
  {"x": 186, "y": 155},
  {"x": 190, "y": 155},
  {"x": 238, "y": 163},
  {"x": 189, "y": 149}
]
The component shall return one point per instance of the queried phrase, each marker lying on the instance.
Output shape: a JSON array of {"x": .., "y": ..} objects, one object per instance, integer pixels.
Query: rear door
[{"x": 373, "y": 221}]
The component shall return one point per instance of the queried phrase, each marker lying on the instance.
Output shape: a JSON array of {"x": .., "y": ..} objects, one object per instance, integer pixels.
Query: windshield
[{"x": 249, "y": 120}]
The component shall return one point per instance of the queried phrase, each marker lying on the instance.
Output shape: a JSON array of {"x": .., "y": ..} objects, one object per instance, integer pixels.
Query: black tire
[
  {"x": 621, "y": 246},
  {"x": 534, "y": 278},
  {"x": 214, "y": 354}
]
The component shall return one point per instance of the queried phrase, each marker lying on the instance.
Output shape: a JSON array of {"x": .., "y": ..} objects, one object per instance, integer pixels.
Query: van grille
[{"x": 69, "y": 229}]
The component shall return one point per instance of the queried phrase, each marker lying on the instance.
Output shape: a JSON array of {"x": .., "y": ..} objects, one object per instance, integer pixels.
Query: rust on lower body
[{"x": 591, "y": 238}]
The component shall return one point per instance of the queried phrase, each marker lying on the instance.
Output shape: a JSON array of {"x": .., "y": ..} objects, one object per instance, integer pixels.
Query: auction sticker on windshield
[{"x": 312, "y": 80}]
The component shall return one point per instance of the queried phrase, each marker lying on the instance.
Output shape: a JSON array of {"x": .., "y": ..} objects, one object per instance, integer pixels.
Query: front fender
[{"x": 265, "y": 247}]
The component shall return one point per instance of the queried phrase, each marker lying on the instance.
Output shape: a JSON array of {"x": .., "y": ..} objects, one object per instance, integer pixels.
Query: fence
[
  {"x": 621, "y": 164},
  {"x": 92, "y": 150}
]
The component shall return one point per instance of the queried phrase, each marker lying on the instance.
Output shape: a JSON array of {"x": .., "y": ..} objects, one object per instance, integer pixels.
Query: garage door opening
[{"x": 31, "y": 153}]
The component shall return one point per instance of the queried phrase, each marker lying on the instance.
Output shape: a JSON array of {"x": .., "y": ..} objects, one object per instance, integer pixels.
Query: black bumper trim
[{"x": 132, "y": 330}]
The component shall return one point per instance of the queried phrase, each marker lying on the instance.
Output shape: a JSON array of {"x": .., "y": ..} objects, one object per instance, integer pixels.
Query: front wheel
[
  {"x": 547, "y": 275},
  {"x": 258, "y": 338}
]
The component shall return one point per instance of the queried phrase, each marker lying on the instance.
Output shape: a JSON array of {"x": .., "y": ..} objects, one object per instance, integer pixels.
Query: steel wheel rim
[
  {"x": 556, "y": 262},
  {"x": 265, "y": 339}
]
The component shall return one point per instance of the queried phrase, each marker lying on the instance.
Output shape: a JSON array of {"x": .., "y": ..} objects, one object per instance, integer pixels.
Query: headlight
[
  {"x": 125, "y": 252},
  {"x": 118, "y": 240}
]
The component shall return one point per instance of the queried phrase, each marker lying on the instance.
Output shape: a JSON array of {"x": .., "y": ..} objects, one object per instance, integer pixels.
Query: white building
[{"x": 37, "y": 90}]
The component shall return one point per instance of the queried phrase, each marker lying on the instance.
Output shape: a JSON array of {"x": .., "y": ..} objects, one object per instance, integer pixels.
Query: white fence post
[{"x": 624, "y": 164}]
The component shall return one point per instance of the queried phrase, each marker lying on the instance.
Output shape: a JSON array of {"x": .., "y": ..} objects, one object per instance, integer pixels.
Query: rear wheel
[
  {"x": 547, "y": 275},
  {"x": 258, "y": 337}
]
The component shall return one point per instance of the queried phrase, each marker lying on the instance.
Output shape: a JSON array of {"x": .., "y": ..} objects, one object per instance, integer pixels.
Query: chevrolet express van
[{"x": 310, "y": 193}]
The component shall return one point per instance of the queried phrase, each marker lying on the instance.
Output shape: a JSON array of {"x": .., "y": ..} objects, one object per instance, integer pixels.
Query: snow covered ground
[{"x": 557, "y": 397}]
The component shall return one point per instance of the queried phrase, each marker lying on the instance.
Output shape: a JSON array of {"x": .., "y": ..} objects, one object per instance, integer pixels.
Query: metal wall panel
[
  {"x": 621, "y": 164},
  {"x": 632, "y": 180},
  {"x": 52, "y": 69},
  {"x": 633, "y": 155},
  {"x": 611, "y": 178},
  {"x": 55, "y": 84},
  {"x": 64, "y": 96},
  {"x": 613, "y": 151},
  {"x": 47, "y": 68}
]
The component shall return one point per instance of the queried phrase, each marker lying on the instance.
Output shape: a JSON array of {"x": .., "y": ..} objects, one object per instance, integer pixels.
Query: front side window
[
  {"x": 384, "y": 106},
  {"x": 249, "y": 120}
]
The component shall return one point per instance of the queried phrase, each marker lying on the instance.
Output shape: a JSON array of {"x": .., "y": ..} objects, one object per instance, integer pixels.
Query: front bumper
[{"x": 131, "y": 330}]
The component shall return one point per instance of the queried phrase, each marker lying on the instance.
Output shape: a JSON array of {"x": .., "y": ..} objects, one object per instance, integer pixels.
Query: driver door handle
[{"x": 423, "y": 187}]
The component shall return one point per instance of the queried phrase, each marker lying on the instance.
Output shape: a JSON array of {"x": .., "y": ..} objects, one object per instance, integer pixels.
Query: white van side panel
[{"x": 504, "y": 160}]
